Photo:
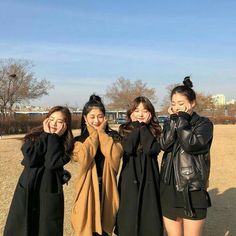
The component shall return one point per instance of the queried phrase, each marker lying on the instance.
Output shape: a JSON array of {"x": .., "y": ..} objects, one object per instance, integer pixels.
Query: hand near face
[
  {"x": 95, "y": 118},
  {"x": 179, "y": 102},
  {"x": 141, "y": 114},
  {"x": 133, "y": 117},
  {"x": 86, "y": 121},
  {"x": 61, "y": 129},
  {"x": 46, "y": 128},
  {"x": 170, "y": 110},
  {"x": 147, "y": 118},
  {"x": 187, "y": 108},
  {"x": 103, "y": 125}
]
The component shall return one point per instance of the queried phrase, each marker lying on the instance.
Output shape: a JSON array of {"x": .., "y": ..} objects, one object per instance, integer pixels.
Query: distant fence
[
  {"x": 21, "y": 124},
  {"x": 223, "y": 119}
]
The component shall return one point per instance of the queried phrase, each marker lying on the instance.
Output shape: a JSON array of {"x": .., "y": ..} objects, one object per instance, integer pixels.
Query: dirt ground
[{"x": 221, "y": 216}]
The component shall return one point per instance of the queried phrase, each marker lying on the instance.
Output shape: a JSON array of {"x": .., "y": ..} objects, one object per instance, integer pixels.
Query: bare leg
[
  {"x": 173, "y": 228},
  {"x": 193, "y": 227}
]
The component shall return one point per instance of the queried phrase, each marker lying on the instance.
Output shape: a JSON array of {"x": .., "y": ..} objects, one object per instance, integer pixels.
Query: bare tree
[
  {"x": 204, "y": 102},
  {"x": 166, "y": 100},
  {"x": 18, "y": 83},
  {"x": 123, "y": 91}
]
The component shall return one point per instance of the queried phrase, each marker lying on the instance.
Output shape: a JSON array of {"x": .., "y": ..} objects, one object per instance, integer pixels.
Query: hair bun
[
  {"x": 187, "y": 82},
  {"x": 95, "y": 98}
]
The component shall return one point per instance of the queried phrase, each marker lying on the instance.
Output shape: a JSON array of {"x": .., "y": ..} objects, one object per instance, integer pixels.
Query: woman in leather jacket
[{"x": 185, "y": 168}]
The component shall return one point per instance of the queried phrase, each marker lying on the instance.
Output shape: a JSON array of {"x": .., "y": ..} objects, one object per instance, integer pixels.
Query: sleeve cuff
[
  {"x": 184, "y": 115},
  {"x": 136, "y": 124},
  {"x": 173, "y": 116}
]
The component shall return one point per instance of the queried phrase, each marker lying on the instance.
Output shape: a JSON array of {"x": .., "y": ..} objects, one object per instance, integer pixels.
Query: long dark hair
[
  {"x": 67, "y": 137},
  {"x": 153, "y": 125},
  {"x": 185, "y": 89}
]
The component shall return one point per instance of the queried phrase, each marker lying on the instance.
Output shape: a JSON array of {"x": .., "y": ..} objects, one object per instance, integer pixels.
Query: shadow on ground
[{"x": 221, "y": 216}]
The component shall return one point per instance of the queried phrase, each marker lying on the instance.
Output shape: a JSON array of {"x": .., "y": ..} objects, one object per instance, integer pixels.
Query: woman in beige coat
[{"x": 98, "y": 152}]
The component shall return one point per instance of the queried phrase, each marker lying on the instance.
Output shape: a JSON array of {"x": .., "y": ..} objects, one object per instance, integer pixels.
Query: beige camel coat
[{"x": 88, "y": 213}]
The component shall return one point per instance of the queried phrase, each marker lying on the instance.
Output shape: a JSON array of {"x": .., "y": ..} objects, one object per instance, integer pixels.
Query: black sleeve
[
  {"x": 194, "y": 139},
  {"x": 130, "y": 143},
  {"x": 34, "y": 152},
  {"x": 168, "y": 135},
  {"x": 150, "y": 144},
  {"x": 55, "y": 156}
]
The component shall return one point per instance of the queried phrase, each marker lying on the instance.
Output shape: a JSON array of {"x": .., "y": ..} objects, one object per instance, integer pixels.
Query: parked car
[{"x": 163, "y": 119}]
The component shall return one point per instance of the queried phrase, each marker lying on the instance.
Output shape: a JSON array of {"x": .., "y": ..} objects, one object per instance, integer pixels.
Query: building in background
[
  {"x": 231, "y": 102},
  {"x": 219, "y": 99}
]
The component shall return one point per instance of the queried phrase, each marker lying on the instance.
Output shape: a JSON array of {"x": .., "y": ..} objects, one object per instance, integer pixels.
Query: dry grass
[{"x": 221, "y": 217}]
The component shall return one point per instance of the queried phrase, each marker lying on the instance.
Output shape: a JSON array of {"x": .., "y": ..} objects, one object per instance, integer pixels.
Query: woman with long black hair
[{"x": 98, "y": 152}]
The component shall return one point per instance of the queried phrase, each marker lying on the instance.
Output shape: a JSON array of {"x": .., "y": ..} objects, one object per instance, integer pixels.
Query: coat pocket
[{"x": 189, "y": 171}]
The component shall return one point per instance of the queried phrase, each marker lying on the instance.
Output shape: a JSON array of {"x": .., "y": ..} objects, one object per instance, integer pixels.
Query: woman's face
[
  {"x": 141, "y": 114},
  {"x": 56, "y": 121},
  {"x": 95, "y": 118},
  {"x": 180, "y": 102}
]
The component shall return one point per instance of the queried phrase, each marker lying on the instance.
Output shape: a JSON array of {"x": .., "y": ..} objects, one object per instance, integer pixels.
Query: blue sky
[{"x": 82, "y": 46}]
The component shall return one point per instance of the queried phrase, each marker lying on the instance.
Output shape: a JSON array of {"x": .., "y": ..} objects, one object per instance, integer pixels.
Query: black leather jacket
[{"x": 186, "y": 142}]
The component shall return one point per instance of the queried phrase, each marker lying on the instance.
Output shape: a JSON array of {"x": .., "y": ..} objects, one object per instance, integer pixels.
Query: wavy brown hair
[
  {"x": 153, "y": 125},
  {"x": 67, "y": 137}
]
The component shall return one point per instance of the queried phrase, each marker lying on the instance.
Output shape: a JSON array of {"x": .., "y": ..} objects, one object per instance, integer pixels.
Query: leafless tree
[
  {"x": 18, "y": 83},
  {"x": 204, "y": 101},
  {"x": 123, "y": 91}
]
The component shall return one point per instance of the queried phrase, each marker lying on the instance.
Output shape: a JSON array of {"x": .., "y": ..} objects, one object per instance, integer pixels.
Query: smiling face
[
  {"x": 56, "y": 121},
  {"x": 141, "y": 114},
  {"x": 95, "y": 117},
  {"x": 180, "y": 102}
]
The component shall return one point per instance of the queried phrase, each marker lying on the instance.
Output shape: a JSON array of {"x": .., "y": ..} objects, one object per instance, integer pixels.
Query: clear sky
[{"x": 82, "y": 46}]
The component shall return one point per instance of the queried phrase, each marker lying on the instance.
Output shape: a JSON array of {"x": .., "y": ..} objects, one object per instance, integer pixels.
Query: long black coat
[
  {"x": 37, "y": 208},
  {"x": 139, "y": 211}
]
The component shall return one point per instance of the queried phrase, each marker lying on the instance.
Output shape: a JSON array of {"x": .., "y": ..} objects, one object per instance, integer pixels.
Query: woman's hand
[
  {"x": 46, "y": 128},
  {"x": 103, "y": 125},
  {"x": 170, "y": 110},
  {"x": 61, "y": 129},
  {"x": 133, "y": 117},
  {"x": 187, "y": 108},
  {"x": 147, "y": 118}
]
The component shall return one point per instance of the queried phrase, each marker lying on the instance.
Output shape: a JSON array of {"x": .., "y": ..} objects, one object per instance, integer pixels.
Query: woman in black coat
[
  {"x": 185, "y": 168},
  {"x": 37, "y": 208},
  {"x": 139, "y": 212}
]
